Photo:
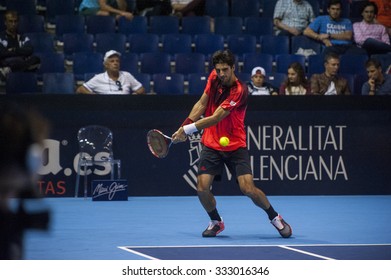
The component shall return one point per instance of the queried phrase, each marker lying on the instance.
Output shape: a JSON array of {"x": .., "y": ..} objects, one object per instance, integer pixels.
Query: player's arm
[
  {"x": 195, "y": 113},
  {"x": 200, "y": 124},
  {"x": 199, "y": 108},
  {"x": 217, "y": 116}
]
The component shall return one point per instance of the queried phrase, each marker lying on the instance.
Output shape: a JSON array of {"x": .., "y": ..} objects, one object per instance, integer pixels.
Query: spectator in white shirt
[{"x": 112, "y": 81}]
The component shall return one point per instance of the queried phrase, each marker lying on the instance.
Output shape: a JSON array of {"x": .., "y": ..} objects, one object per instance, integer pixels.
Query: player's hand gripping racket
[{"x": 158, "y": 143}]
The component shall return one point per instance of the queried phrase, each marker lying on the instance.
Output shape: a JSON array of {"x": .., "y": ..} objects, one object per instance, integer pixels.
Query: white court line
[
  {"x": 287, "y": 247},
  {"x": 306, "y": 253},
  {"x": 137, "y": 253},
  {"x": 253, "y": 245}
]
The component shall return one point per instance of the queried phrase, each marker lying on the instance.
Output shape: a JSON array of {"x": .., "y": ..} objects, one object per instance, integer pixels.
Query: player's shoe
[
  {"x": 214, "y": 228},
  {"x": 283, "y": 227}
]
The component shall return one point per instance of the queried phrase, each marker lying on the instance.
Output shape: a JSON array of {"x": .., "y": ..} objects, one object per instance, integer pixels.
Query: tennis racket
[{"x": 158, "y": 143}]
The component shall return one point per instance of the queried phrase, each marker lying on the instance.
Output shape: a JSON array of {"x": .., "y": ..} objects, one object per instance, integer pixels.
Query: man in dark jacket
[{"x": 16, "y": 51}]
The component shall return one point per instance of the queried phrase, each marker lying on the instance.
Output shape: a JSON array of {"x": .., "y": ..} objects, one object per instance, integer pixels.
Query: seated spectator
[
  {"x": 184, "y": 8},
  {"x": 368, "y": 34},
  {"x": 329, "y": 83},
  {"x": 105, "y": 8},
  {"x": 291, "y": 17},
  {"x": 296, "y": 83},
  {"x": 384, "y": 13},
  {"x": 113, "y": 81},
  {"x": 378, "y": 83},
  {"x": 334, "y": 33},
  {"x": 258, "y": 86},
  {"x": 16, "y": 51}
]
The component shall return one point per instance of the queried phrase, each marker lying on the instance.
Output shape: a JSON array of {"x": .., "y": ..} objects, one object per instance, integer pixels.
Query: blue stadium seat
[
  {"x": 51, "y": 62},
  {"x": 241, "y": 44},
  {"x": 168, "y": 84},
  {"x": 144, "y": 79},
  {"x": 41, "y": 41},
  {"x": 276, "y": 79},
  {"x": 88, "y": 76},
  {"x": 359, "y": 81},
  {"x": 176, "y": 43},
  {"x": 187, "y": 63},
  {"x": 153, "y": 63},
  {"x": 58, "y": 83},
  {"x": 251, "y": 60},
  {"x": 245, "y": 8},
  {"x": 258, "y": 26},
  {"x": 163, "y": 25},
  {"x": 244, "y": 77},
  {"x": 268, "y": 8},
  {"x": 77, "y": 42},
  {"x": 56, "y": 8},
  {"x": 385, "y": 60},
  {"x": 275, "y": 44},
  {"x": 228, "y": 25},
  {"x": 196, "y": 25},
  {"x": 69, "y": 24},
  {"x": 23, "y": 7},
  {"x": 110, "y": 41},
  {"x": 139, "y": 24},
  {"x": 197, "y": 83},
  {"x": 100, "y": 24},
  {"x": 315, "y": 4},
  {"x": 129, "y": 62},
  {"x": 141, "y": 43},
  {"x": 31, "y": 23},
  {"x": 350, "y": 79},
  {"x": 284, "y": 60},
  {"x": 14, "y": 84},
  {"x": 315, "y": 64},
  {"x": 86, "y": 62},
  {"x": 352, "y": 64},
  {"x": 207, "y": 44},
  {"x": 356, "y": 8},
  {"x": 217, "y": 8}
]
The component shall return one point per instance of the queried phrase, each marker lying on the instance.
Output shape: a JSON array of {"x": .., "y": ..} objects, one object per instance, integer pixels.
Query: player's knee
[
  {"x": 202, "y": 189},
  {"x": 247, "y": 190}
]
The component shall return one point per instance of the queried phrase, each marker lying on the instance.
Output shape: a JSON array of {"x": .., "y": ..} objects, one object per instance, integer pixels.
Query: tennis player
[{"x": 223, "y": 105}]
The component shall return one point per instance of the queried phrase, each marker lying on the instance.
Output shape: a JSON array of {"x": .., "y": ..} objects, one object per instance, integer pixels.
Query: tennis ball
[{"x": 224, "y": 141}]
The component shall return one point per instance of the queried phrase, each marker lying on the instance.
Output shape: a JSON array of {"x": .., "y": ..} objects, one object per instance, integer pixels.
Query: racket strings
[{"x": 157, "y": 144}]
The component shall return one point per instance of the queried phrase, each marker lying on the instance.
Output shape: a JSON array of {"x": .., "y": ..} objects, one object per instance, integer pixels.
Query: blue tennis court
[{"x": 169, "y": 228}]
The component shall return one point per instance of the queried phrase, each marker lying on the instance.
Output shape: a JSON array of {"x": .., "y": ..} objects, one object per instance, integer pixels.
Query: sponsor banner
[{"x": 327, "y": 150}]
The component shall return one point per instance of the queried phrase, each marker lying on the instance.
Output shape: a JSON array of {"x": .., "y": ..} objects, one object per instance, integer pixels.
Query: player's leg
[
  {"x": 240, "y": 162},
  {"x": 208, "y": 201},
  {"x": 248, "y": 188},
  {"x": 210, "y": 164}
]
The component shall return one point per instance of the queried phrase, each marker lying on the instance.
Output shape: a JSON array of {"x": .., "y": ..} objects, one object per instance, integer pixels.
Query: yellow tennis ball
[{"x": 224, "y": 141}]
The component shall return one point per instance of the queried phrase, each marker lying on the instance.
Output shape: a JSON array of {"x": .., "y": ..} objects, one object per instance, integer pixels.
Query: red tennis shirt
[{"x": 233, "y": 99}]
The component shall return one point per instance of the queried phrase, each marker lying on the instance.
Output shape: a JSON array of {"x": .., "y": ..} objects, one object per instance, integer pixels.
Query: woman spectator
[{"x": 296, "y": 83}]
